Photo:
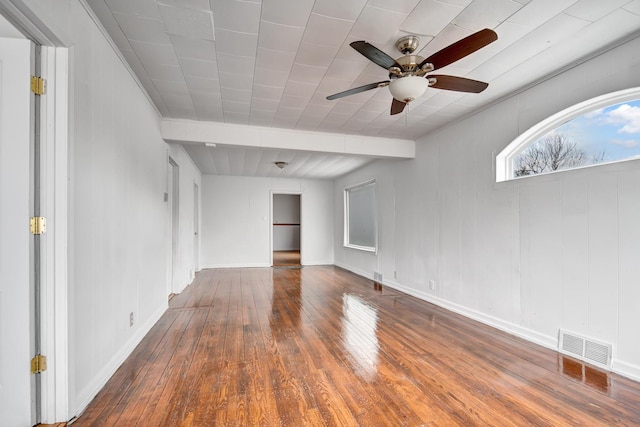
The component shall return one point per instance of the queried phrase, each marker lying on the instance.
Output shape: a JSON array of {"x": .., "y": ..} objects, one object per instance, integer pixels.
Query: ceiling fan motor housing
[{"x": 409, "y": 64}]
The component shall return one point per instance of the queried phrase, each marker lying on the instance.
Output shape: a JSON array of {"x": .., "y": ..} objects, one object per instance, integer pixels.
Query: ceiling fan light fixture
[
  {"x": 408, "y": 88},
  {"x": 280, "y": 164}
]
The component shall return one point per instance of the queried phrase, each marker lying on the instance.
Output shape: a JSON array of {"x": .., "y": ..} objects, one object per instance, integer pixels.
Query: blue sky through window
[{"x": 614, "y": 130}]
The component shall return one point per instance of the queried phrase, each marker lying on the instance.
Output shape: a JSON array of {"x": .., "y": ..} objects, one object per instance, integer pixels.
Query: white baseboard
[
  {"x": 626, "y": 369},
  {"x": 517, "y": 330},
  {"x": 312, "y": 263},
  {"x": 551, "y": 342},
  {"x": 355, "y": 270},
  {"x": 247, "y": 265},
  {"x": 263, "y": 265},
  {"x": 91, "y": 390}
]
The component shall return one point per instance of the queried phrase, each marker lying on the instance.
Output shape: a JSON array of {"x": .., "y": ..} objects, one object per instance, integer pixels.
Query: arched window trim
[{"x": 504, "y": 160}]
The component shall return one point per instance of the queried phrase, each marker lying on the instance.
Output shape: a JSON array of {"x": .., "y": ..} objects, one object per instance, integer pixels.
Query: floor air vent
[{"x": 586, "y": 349}]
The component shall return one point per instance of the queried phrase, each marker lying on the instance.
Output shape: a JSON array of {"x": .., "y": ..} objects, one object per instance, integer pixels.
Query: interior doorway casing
[
  {"x": 52, "y": 266},
  {"x": 271, "y": 222},
  {"x": 174, "y": 222},
  {"x": 196, "y": 227}
]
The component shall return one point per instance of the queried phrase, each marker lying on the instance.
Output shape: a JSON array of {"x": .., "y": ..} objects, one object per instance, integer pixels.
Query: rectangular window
[{"x": 360, "y": 219}]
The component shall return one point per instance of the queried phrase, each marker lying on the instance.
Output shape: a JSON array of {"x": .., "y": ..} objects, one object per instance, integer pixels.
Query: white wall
[
  {"x": 236, "y": 220},
  {"x": 286, "y": 213},
  {"x": 529, "y": 256},
  {"x": 117, "y": 215},
  {"x": 117, "y": 212},
  {"x": 189, "y": 175}
]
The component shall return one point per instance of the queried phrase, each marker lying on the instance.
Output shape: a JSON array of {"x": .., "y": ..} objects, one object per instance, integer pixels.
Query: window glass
[
  {"x": 600, "y": 130},
  {"x": 360, "y": 217},
  {"x": 605, "y": 135}
]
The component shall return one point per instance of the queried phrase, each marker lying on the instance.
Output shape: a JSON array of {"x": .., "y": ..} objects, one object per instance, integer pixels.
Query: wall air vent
[{"x": 585, "y": 349}]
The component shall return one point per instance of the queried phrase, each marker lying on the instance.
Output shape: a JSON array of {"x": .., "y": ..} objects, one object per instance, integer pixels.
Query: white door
[
  {"x": 196, "y": 227},
  {"x": 15, "y": 238},
  {"x": 174, "y": 205}
]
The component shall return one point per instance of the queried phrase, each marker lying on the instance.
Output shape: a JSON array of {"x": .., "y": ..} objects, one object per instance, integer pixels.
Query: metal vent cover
[
  {"x": 599, "y": 353},
  {"x": 586, "y": 349}
]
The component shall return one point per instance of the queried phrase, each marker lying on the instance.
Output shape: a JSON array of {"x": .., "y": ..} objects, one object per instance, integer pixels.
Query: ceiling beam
[{"x": 195, "y": 132}]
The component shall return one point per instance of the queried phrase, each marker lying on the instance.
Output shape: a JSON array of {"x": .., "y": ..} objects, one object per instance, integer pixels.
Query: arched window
[{"x": 601, "y": 130}]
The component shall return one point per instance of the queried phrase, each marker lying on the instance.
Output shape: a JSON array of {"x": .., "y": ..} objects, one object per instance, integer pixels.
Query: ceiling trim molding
[
  {"x": 195, "y": 132},
  {"x": 29, "y": 23}
]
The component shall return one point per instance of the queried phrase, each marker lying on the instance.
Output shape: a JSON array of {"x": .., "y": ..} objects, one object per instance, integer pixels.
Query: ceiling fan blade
[
  {"x": 461, "y": 48},
  {"x": 358, "y": 90},
  {"x": 459, "y": 84},
  {"x": 397, "y": 106},
  {"x": 374, "y": 54}
]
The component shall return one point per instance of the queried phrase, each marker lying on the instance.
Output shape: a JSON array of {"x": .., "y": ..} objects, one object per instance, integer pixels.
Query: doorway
[
  {"x": 286, "y": 236},
  {"x": 196, "y": 227},
  {"x": 174, "y": 222}
]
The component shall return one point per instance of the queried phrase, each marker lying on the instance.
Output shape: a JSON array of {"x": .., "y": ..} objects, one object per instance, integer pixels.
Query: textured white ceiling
[
  {"x": 272, "y": 63},
  {"x": 252, "y": 161}
]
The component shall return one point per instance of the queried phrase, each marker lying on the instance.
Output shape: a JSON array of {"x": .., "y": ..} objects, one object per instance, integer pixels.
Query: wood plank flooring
[
  {"x": 319, "y": 346},
  {"x": 286, "y": 258}
]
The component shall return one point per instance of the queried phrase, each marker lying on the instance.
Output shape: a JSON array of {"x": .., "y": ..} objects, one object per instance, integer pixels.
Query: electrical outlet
[
  {"x": 432, "y": 285},
  {"x": 395, "y": 274},
  {"x": 131, "y": 319}
]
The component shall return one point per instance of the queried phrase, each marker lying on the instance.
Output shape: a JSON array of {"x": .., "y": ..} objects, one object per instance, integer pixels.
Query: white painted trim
[
  {"x": 195, "y": 132},
  {"x": 249, "y": 265},
  {"x": 550, "y": 342},
  {"x": 626, "y": 369},
  {"x": 295, "y": 193},
  {"x": 504, "y": 160},
  {"x": 29, "y": 23},
  {"x": 197, "y": 227},
  {"x": 54, "y": 134},
  {"x": 346, "y": 215},
  {"x": 355, "y": 270},
  {"x": 87, "y": 394},
  {"x": 61, "y": 279},
  {"x": 54, "y": 203}
]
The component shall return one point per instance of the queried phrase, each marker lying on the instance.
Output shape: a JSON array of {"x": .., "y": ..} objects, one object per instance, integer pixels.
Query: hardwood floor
[
  {"x": 321, "y": 346},
  {"x": 286, "y": 258}
]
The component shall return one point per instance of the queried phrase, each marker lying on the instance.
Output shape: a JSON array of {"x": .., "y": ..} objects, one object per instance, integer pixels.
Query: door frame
[
  {"x": 55, "y": 199},
  {"x": 174, "y": 223},
  {"x": 55, "y": 252},
  {"x": 196, "y": 227},
  {"x": 294, "y": 193}
]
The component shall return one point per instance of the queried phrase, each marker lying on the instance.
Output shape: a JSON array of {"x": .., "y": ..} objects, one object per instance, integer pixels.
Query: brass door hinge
[
  {"x": 38, "y": 364},
  {"x": 38, "y": 224},
  {"x": 38, "y": 85}
]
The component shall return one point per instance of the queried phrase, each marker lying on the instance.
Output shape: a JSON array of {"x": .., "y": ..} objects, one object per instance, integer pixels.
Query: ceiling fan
[{"x": 407, "y": 74}]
